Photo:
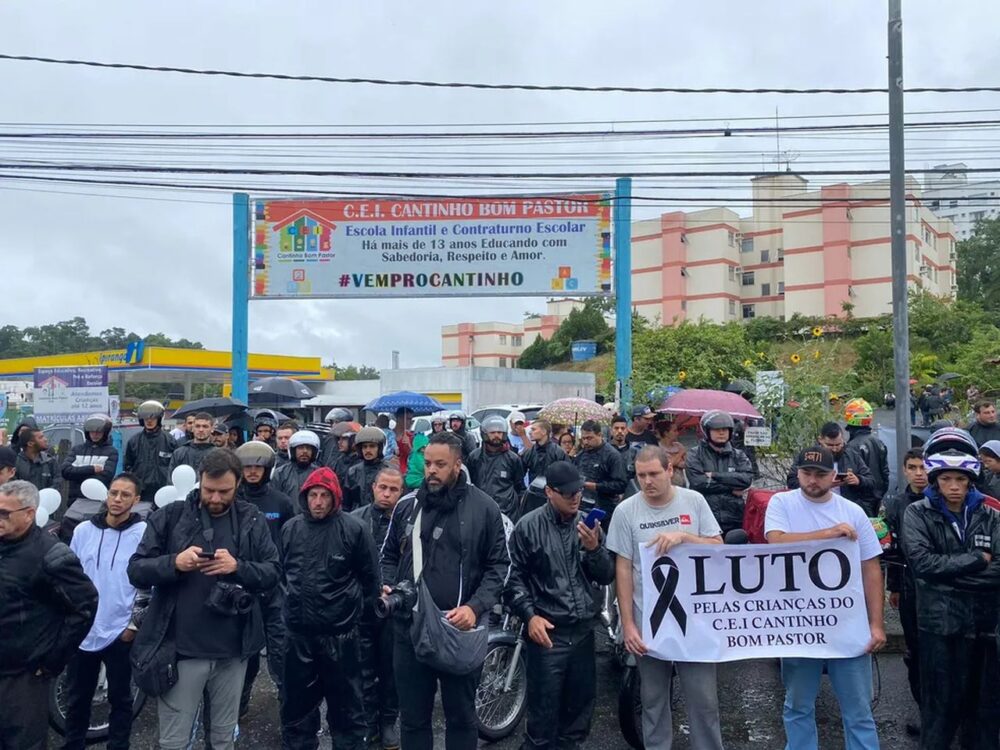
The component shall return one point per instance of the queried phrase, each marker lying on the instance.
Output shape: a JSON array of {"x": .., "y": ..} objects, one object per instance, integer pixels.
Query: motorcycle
[
  {"x": 100, "y": 709},
  {"x": 501, "y": 697}
]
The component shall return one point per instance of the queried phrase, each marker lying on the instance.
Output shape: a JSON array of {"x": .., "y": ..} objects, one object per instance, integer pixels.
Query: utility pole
[{"x": 897, "y": 210}]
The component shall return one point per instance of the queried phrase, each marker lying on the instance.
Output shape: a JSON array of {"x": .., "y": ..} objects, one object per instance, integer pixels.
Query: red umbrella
[{"x": 695, "y": 402}]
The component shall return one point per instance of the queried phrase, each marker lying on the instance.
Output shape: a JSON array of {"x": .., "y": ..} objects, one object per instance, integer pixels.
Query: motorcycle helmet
[
  {"x": 370, "y": 435},
  {"x": 717, "y": 420},
  {"x": 858, "y": 413},
  {"x": 493, "y": 424},
  {"x": 256, "y": 453},
  {"x": 150, "y": 410},
  {"x": 439, "y": 419},
  {"x": 951, "y": 449},
  {"x": 97, "y": 423},
  {"x": 338, "y": 414},
  {"x": 265, "y": 419},
  {"x": 303, "y": 437},
  {"x": 457, "y": 415}
]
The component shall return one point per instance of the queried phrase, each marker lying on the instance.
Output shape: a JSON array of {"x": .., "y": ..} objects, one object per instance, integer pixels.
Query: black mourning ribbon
[{"x": 666, "y": 584}]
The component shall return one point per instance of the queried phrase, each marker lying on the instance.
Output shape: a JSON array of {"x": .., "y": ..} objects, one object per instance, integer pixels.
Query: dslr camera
[
  {"x": 402, "y": 597},
  {"x": 229, "y": 599}
]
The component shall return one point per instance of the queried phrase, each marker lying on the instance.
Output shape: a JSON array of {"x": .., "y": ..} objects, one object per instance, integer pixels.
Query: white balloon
[
  {"x": 94, "y": 489},
  {"x": 166, "y": 495},
  {"x": 50, "y": 500},
  {"x": 41, "y": 517},
  {"x": 183, "y": 478}
]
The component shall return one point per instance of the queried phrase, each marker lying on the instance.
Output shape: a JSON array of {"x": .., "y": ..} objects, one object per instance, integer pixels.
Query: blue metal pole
[
  {"x": 241, "y": 295},
  {"x": 623, "y": 292}
]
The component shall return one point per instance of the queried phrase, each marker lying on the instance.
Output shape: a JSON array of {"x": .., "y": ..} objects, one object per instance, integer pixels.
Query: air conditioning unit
[{"x": 738, "y": 270}]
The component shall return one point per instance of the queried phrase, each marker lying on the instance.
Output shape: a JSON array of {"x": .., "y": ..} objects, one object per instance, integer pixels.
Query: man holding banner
[
  {"x": 813, "y": 512},
  {"x": 663, "y": 516}
]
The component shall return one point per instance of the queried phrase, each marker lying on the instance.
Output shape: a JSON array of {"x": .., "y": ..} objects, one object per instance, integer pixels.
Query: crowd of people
[{"x": 361, "y": 566}]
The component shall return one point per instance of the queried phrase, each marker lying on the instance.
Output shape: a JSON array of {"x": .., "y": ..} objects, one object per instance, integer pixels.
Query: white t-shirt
[
  {"x": 635, "y": 522},
  {"x": 794, "y": 513}
]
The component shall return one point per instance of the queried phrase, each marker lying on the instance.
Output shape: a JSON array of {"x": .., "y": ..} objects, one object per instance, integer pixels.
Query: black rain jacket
[
  {"x": 897, "y": 573},
  {"x": 863, "y": 494},
  {"x": 957, "y": 590},
  {"x": 47, "y": 604},
  {"x": 500, "y": 474},
  {"x": 79, "y": 463},
  {"x": 730, "y": 469},
  {"x": 148, "y": 455},
  {"x": 605, "y": 467},
  {"x": 551, "y": 574},
  {"x": 538, "y": 457},
  {"x": 875, "y": 455},
  {"x": 358, "y": 483}
]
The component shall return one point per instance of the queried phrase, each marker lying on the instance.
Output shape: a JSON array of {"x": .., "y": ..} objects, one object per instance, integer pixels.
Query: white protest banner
[{"x": 712, "y": 603}]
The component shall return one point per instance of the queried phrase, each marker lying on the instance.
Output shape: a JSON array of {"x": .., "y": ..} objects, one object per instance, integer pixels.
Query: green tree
[
  {"x": 355, "y": 372},
  {"x": 979, "y": 266},
  {"x": 535, "y": 356}
]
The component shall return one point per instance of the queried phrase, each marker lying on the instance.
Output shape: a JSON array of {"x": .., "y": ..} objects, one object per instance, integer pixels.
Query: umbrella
[
  {"x": 418, "y": 403},
  {"x": 341, "y": 427},
  {"x": 574, "y": 411},
  {"x": 245, "y": 421},
  {"x": 695, "y": 402},
  {"x": 741, "y": 387},
  {"x": 950, "y": 376},
  {"x": 217, "y": 406},
  {"x": 275, "y": 390}
]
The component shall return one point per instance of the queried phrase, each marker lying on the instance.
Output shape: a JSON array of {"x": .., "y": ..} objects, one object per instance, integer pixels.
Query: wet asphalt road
[{"x": 750, "y": 695}]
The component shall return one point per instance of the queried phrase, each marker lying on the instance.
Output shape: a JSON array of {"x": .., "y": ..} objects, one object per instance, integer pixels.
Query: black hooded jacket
[
  {"x": 174, "y": 528},
  {"x": 875, "y": 456},
  {"x": 468, "y": 555},
  {"x": 730, "y": 469},
  {"x": 358, "y": 481},
  {"x": 274, "y": 504},
  {"x": 47, "y": 604},
  {"x": 500, "y": 474},
  {"x": 148, "y": 455},
  {"x": 551, "y": 574},
  {"x": 288, "y": 478},
  {"x": 41, "y": 472},
  {"x": 79, "y": 464},
  {"x": 330, "y": 568},
  {"x": 897, "y": 573},
  {"x": 190, "y": 454}
]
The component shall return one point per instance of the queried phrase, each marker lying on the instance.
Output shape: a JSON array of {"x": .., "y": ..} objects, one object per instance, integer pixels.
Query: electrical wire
[{"x": 486, "y": 86}]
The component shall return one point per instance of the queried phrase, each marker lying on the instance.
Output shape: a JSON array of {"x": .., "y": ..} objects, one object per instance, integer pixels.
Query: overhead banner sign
[
  {"x": 458, "y": 247},
  {"x": 714, "y": 603},
  {"x": 69, "y": 394}
]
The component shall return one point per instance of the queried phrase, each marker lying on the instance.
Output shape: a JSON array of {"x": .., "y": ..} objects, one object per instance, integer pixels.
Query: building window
[
  {"x": 748, "y": 278},
  {"x": 503, "y": 361},
  {"x": 516, "y": 340},
  {"x": 765, "y": 290},
  {"x": 746, "y": 245},
  {"x": 684, "y": 305},
  {"x": 732, "y": 308},
  {"x": 953, "y": 203},
  {"x": 977, "y": 216},
  {"x": 765, "y": 256},
  {"x": 503, "y": 339},
  {"x": 781, "y": 253},
  {"x": 781, "y": 288},
  {"x": 732, "y": 273},
  {"x": 732, "y": 239},
  {"x": 748, "y": 312}
]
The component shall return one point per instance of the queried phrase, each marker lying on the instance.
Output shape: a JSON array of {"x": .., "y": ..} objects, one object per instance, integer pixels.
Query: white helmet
[{"x": 303, "y": 437}]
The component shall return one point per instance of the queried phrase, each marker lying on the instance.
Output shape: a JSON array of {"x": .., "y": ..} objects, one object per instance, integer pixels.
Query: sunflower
[
  {"x": 748, "y": 363},
  {"x": 816, "y": 354},
  {"x": 795, "y": 359},
  {"x": 817, "y": 332},
  {"x": 682, "y": 376},
  {"x": 761, "y": 355}
]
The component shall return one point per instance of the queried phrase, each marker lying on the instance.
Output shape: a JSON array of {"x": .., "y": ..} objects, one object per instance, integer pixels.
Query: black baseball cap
[
  {"x": 816, "y": 457},
  {"x": 563, "y": 477},
  {"x": 641, "y": 411},
  {"x": 220, "y": 428},
  {"x": 7, "y": 457}
]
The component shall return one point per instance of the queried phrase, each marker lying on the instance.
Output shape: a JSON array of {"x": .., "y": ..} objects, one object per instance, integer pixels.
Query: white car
[{"x": 530, "y": 411}]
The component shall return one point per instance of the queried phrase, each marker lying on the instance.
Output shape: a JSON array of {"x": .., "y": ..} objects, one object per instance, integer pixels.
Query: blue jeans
[{"x": 852, "y": 684}]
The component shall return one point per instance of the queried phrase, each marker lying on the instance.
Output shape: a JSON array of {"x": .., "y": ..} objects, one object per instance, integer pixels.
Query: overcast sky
[{"x": 160, "y": 261}]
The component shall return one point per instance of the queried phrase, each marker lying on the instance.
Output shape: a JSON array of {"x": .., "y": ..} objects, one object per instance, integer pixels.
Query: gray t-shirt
[{"x": 635, "y": 523}]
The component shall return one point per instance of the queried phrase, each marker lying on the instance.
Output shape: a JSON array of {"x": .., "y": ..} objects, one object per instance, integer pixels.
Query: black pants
[
  {"x": 417, "y": 685},
  {"x": 253, "y": 667},
  {"x": 562, "y": 686},
  {"x": 24, "y": 712},
  {"x": 317, "y": 668},
  {"x": 908, "y": 618},
  {"x": 959, "y": 682},
  {"x": 81, "y": 681},
  {"x": 381, "y": 701}
]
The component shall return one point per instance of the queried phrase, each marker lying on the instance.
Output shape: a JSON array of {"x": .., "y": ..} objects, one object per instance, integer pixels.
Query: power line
[{"x": 488, "y": 86}]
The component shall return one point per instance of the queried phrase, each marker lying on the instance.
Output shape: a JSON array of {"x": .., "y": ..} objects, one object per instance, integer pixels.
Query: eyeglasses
[
  {"x": 6, "y": 514},
  {"x": 568, "y": 495}
]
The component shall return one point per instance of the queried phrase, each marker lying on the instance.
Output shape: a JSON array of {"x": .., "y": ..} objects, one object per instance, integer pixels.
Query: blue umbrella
[{"x": 418, "y": 403}]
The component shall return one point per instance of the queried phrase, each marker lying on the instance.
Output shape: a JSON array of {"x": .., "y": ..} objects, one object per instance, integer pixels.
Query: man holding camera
[
  {"x": 556, "y": 557},
  {"x": 207, "y": 558},
  {"x": 331, "y": 573},
  {"x": 463, "y": 551}
]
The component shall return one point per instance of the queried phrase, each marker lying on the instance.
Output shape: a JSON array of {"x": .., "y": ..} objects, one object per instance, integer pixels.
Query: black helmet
[
  {"x": 255, "y": 453},
  {"x": 370, "y": 435},
  {"x": 150, "y": 410},
  {"x": 265, "y": 419},
  {"x": 338, "y": 414},
  {"x": 97, "y": 423},
  {"x": 717, "y": 420}
]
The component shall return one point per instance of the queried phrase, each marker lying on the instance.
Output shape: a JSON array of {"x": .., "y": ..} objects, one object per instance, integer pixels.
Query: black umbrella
[
  {"x": 950, "y": 376},
  {"x": 278, "y": 390},
  {"x": 216, "y": 406},
  {"x": 741, "y": 387},
  {"x": 246, "y": 420}
]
